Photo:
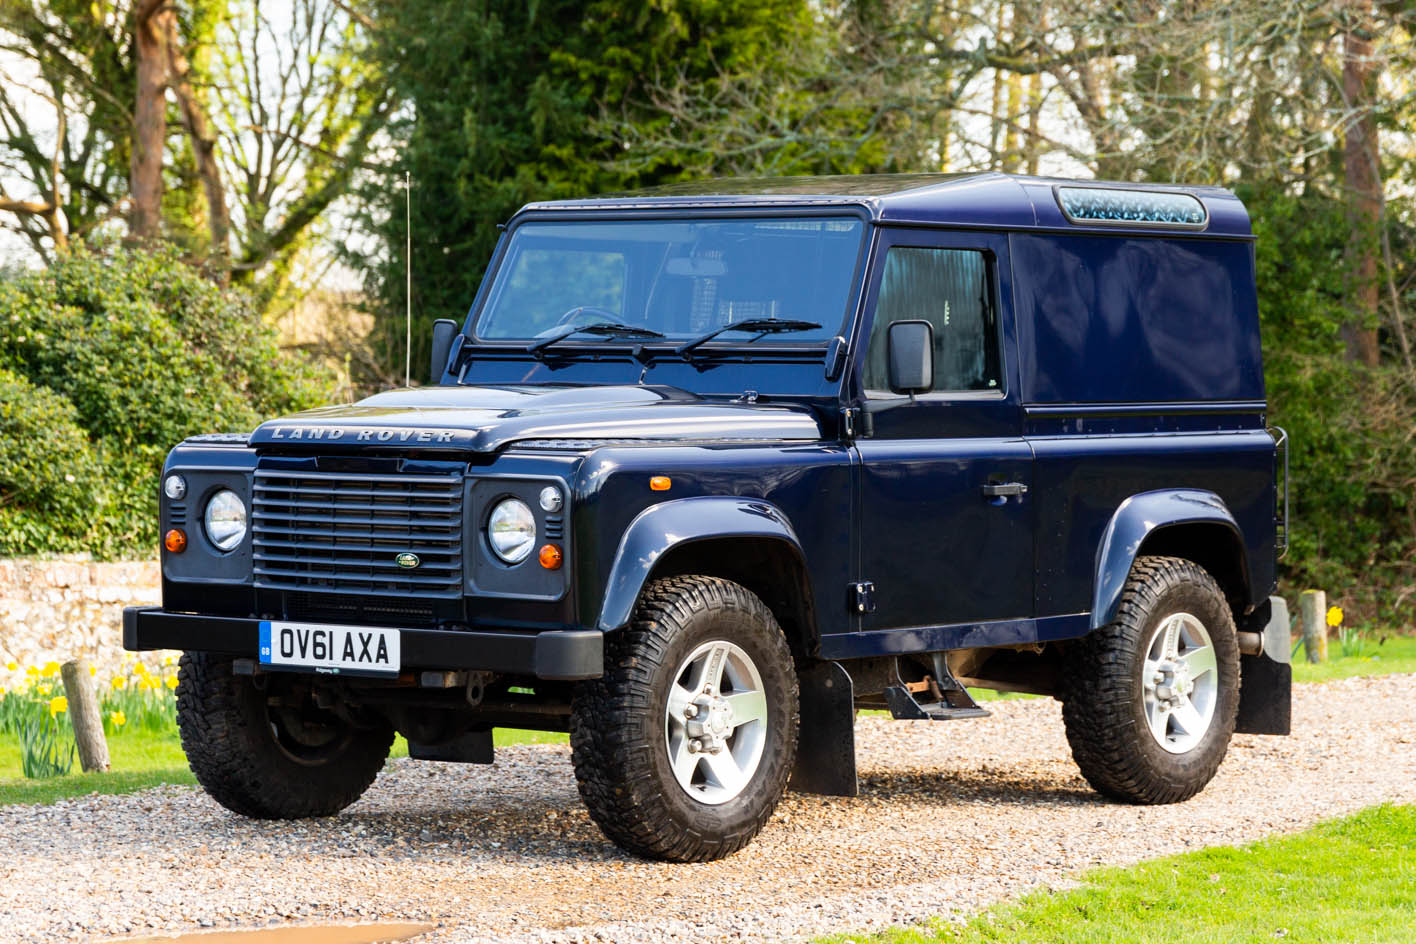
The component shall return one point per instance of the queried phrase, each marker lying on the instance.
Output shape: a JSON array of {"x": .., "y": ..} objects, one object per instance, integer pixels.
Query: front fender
[
  {"x": 658, "y": 529},
  {"x": 1135, "y": 520}
]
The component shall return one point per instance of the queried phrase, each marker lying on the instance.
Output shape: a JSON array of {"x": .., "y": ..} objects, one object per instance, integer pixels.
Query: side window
[{"x": 949, "y": 288}]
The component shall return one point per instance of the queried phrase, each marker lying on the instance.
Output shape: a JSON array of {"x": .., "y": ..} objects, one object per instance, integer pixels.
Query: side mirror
[
  {"x": 910, "y": 356},
  {"x": 444, "y": 330}
]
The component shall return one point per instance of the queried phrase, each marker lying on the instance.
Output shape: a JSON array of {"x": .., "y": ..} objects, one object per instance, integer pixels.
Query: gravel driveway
[{"x": 952, "y": 816}]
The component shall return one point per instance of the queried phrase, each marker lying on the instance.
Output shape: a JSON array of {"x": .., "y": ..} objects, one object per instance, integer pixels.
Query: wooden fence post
[
  {"x": 1312, "y": 605},
  {"x": 85, "y": 716}
]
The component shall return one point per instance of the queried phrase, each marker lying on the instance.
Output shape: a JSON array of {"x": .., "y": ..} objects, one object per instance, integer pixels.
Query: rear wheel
[
  {"x": 1149, "y": 700},
  {"x": 682, "y": 750},
  {"x": 272, "y": 753}
]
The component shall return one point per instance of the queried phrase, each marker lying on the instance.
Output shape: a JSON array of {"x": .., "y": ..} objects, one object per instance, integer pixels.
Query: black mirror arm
[{"x": 868, "y": 409}]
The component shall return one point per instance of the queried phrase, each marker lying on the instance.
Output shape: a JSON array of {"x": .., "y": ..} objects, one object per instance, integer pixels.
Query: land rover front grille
[{"x": 355, "y": 533}]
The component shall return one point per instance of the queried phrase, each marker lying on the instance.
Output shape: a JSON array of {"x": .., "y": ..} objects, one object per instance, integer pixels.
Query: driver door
[{"x": 946, "y": 517}]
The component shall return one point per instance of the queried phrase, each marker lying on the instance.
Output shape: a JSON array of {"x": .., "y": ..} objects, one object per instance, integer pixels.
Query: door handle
[{"x": 1003, "y": 490}]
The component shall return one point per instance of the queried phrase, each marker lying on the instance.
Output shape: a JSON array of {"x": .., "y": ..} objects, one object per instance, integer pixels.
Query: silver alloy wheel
[
  {"x": 1180, "y": 681},
  {"x": 715, "y": 722}
]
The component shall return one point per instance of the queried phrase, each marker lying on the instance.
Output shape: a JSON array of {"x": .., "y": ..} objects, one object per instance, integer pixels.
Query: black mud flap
[
  {"x": 825, "y": 761},
  {"x": 473, "y": 747},
  {"x": 1266, "y": 679},
  {"x": 1265, "y": 696}
]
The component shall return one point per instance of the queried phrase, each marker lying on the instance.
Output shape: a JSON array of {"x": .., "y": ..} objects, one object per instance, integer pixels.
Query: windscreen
[{"x": 680, "y": 278}]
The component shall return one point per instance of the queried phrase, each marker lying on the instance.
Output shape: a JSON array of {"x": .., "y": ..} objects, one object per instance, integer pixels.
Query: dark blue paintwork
[
  {"x": 1131, "y": 408},
  {"x": 483, "y": 419},
  {"x": 986, "y": 201},
  {"x": 660, "y": 528},
  {"x": 1138, "y": 518},
  {"x": 807, "y": 486}
]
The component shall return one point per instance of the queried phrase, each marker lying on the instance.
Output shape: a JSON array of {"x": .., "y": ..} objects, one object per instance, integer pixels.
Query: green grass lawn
[
  {"x": 140, "y": 759},
  {"x": 1352, "y": 879},
  {"x": 143, "y": 759},
  {"x": 1373, "y": 655}
]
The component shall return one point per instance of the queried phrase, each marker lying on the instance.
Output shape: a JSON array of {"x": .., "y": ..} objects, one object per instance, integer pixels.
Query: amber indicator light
[
  {"x": 660, "y": 483},
  {"x": 175, "y": 540},
  {"x": 550, "y": 557}
]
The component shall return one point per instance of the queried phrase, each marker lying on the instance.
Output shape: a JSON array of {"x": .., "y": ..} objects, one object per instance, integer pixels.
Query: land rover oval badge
[{"x": 407, "y": 559}]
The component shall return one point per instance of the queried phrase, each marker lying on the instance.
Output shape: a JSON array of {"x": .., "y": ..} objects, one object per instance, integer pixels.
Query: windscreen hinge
[{"x": 848, "y": 422}]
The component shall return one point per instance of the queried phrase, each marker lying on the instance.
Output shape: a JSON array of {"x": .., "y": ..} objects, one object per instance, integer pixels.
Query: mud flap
[
  {"x": 473, "y": 747},
  {"x": 825, "y": 761},
  {"x": 1266, "y": 679}
]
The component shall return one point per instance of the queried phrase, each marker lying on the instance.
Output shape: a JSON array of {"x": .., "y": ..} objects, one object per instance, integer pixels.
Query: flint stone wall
[{"x": 61, "y": 608}]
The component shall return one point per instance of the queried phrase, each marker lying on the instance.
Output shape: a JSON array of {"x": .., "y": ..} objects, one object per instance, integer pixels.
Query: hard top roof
[{"x": 981, "y": 200}]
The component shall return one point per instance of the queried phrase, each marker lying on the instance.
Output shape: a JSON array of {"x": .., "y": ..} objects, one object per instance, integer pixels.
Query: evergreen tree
[{"x": 504, "y": 104}]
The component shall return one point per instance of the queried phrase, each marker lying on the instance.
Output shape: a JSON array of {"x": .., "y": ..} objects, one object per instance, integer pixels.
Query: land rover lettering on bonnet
[{"x": 704, "y": 470}]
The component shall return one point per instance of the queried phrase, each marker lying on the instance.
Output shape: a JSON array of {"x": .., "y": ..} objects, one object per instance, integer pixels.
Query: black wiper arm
[
  {"x": 609, "y": 329},
  {"x": 760, "y": 325}
]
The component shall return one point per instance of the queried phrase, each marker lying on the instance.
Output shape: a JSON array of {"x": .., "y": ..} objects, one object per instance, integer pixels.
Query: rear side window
[{"x": 949, "y": 288}]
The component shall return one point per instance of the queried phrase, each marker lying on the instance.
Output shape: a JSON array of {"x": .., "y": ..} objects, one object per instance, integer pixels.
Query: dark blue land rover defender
[{"x": 708, "y": 468}]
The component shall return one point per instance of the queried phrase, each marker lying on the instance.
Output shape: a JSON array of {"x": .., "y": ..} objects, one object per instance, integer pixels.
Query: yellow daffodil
[
  {"x": 58, "y": 705},
  {"x": 93, "y": 671},
  {"x": 12, "y": 665},
  {"x": 1334, "y": 616},
  {"x": 117, "y": 719},
  {"x": 167, "y": 660},
  {"x": 31, "y": 672},
  {"x": 171, "y": 681},
  {"x": 145, "y": 684},
  {"x": 50, "y": 670},
  {"x": 120, "y": 682},
  {"x": 2, "y": 689}
]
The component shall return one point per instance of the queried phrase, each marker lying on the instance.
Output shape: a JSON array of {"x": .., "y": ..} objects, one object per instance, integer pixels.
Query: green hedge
[
  {"x": 108, "y": 359},
  {"x": 52, "y": 489},
  {"x": 1353, "y": 451}
]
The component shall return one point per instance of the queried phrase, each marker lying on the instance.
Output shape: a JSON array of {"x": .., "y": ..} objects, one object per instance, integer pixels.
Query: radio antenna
[{"x": 408, "y": 279}]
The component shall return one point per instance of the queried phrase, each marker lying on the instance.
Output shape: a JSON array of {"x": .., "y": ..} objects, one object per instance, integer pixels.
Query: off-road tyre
[
  {"x": 617, "y": 727},
  {"x": 1101, "y": 690},
  {"x": 236, "y": 756}
]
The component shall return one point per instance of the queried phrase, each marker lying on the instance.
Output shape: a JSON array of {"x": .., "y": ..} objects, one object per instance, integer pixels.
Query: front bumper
[{"x": 555, "y": 654}]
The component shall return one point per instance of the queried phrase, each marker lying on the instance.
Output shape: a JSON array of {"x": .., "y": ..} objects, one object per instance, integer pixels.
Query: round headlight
[
  {"x": 174, "y": 487},
  {"x": 225, "y": 519},
  {"x": 511, "y": 531}
]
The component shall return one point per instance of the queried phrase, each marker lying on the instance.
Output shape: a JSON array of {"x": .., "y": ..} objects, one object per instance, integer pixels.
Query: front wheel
[
  {"x": 1149, "y": 700},
  {"x": 271, "y": 752},
  {"x": 682, "y": 750}
]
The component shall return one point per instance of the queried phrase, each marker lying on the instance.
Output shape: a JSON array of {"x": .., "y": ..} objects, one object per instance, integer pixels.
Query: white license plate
[{"x": 336, "y": 650}]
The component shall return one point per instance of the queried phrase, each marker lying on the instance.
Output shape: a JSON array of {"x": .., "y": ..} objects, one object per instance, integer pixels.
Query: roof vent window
[{"x": 1115, "y": 206}]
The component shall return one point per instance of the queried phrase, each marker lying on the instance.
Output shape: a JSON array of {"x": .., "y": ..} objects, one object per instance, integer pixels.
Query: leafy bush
[
  {"x": 113, "y": 356},
  {"x": 51, "y": 484},
  {"x": 1353, "y": 452}
]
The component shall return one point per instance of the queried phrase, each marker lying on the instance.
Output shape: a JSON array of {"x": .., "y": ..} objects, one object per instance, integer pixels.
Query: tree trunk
[
  {"x": 1032, "y": 149},
  {"x": 1012, "y": 149},
  {"x": 1364, "y": 188},
  {"x": 203, "y": 138},
  {"x": 149, "y": 118},
  {"x": 995, "y": 131}
]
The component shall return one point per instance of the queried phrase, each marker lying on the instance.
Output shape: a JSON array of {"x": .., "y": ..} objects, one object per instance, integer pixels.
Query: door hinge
[{"x": 862, "y": 597}]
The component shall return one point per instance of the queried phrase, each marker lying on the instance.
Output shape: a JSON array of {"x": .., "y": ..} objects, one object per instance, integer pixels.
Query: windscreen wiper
[
  {"x": 608, "y": 329},
  {"x": 762, "y": 326}
]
